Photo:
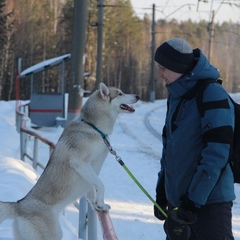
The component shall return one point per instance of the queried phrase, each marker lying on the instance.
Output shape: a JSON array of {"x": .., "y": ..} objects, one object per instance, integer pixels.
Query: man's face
[{"x": 167, "y": 75}]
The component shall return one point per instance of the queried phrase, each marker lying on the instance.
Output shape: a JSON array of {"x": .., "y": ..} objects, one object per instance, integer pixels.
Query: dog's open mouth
[{"x": 127, "y": 108}]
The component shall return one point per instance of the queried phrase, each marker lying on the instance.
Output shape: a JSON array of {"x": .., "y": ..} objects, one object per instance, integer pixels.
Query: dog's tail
[{"x": 7, "y": 210}]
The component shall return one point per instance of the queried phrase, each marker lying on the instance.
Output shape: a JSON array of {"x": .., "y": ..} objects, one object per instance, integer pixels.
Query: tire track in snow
[
  {"x": 146, "y": 148},
  {"x": 148, "y": 125}
]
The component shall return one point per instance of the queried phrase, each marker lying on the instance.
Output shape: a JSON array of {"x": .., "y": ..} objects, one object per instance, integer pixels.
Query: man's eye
[{"x": 162, "y": 68}]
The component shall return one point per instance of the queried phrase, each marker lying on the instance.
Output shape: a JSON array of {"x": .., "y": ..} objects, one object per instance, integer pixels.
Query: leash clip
[{"x": 111, "y": 149}]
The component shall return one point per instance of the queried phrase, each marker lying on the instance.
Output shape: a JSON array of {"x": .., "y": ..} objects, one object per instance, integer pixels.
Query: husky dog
[{"x": 72, "y": 170}]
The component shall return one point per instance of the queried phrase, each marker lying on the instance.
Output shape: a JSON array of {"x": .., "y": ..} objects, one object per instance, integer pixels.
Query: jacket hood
[{"x": 202, "y": 70}]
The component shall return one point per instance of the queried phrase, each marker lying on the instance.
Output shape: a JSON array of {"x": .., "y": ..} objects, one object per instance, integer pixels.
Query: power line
[{"x": 202, "y": 11}]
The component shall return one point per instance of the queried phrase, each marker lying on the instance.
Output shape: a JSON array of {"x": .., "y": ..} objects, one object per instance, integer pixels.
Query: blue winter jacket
[{"x": 196, "y": 150}]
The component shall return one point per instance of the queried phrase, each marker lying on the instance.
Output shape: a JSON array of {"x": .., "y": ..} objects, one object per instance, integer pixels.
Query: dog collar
[{"x": 95, "y": 128}]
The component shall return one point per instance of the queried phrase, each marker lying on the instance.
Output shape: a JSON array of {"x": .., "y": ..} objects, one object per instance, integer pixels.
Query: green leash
[{"x": 120, "y": 161}]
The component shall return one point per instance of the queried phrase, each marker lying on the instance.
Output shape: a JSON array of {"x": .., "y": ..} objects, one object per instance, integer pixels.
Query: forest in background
[{"x": 39, "y": 30}]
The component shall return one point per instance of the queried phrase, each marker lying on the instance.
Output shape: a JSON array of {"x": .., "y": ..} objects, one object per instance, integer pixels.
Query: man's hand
[
  {"x": 176, "y": 230},
  {"x": 158, "y": 214},
  {"x": 160, "y": 200},
  {"x": 186, "y": 213}
]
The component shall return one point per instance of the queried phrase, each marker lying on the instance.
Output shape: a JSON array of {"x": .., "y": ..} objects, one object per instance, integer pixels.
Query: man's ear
[{"x": 104, "y": 91}]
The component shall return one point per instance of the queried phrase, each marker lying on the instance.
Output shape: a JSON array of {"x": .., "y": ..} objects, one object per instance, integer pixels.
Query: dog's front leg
[
  {"x": 85, "y": 170},
  {"x": 92, "y": 198}
]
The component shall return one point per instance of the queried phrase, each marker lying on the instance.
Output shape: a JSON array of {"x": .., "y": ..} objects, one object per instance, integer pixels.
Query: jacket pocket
[{"x": 199, "y": 180}]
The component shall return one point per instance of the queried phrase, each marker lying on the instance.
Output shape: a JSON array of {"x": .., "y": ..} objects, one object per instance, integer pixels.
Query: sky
[
  {"x": 190, "y": 9},
  {"x": 131, "y": 211}
]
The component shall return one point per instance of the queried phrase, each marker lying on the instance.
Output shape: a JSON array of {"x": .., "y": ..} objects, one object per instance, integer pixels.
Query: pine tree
[
  {"x": 3, "y": 27},
  {"x": 6, "y": 26}
]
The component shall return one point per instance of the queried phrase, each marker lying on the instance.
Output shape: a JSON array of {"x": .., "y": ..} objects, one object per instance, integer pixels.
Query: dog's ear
[{"x": 104, "y": 91}]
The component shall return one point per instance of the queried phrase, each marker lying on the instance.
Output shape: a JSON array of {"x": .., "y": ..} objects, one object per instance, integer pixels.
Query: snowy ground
[{"x": 131, "y": 211}]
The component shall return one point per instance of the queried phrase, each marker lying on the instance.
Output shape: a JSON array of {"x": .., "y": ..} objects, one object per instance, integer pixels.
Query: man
[{"x": 195, "y": 185}]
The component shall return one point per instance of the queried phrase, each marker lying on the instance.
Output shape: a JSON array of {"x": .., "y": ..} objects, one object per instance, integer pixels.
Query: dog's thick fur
[{"x": 72, "y": 170}]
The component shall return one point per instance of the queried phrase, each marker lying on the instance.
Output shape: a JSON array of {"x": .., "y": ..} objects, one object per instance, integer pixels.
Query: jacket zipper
[
  {"x": 198, "y": 181},
  {"x": 180, "y": 111}
]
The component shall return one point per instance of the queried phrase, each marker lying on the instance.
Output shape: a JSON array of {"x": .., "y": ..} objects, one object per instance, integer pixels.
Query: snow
[
  {"x": 131, "y": 211},
  {"x": 45, "y": 64},
  {"x": 49, "y": 63}
]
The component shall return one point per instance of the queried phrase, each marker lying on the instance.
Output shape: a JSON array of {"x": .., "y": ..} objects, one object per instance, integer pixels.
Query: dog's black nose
[{"x": 137, "y": 97}]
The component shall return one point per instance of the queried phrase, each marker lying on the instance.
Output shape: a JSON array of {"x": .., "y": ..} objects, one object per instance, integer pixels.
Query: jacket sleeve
[
  {"x": 161, "y": 176},
  {"x": 162, "y": 160},
  {"x": 217, "y": 126}
]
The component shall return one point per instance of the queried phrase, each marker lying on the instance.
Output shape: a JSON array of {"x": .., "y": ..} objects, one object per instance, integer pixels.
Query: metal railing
[
  {"x": 24, "y": 131},
  {"x": 87, "y": 227}
]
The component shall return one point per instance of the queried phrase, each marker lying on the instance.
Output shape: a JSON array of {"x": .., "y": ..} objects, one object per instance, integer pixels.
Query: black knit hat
[{"x": 176, "y": 55}]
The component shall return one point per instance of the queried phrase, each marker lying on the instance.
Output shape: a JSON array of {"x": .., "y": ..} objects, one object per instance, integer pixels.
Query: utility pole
[
  {"x": 211, "y": 36},
  {"x": 77, "y": 59},
  {"x": 99, "y": 42},
  {"x": 152, "y": 76}
]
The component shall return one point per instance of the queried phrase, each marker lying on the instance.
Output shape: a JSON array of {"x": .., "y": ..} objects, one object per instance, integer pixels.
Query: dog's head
[
  {"x": 103, "y": 106},
  {"x": 117, "y": 98}
]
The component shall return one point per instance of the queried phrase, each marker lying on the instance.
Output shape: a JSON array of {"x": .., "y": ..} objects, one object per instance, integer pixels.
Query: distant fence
[{"x": 87, "y": 227}]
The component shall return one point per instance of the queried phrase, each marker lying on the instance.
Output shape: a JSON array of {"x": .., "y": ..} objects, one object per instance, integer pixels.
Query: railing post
[
  {"x": 26, "y": 137},
  {"x": 22, "y": 143},
  {"x": 92, "y": 223},
  {"x": 18, "y": 122},
  {"x": 82, "y": 228},
  {"x": 35, "y": 153}
]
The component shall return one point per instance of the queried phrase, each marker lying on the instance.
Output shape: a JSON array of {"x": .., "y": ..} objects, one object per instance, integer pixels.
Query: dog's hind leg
[
  {"x": 85, "y": 170},
  {"x": 24, "y": 230},
  {"x": 29, "y": 229}
]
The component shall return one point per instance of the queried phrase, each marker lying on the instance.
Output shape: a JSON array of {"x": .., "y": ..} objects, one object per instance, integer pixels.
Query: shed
[{"x": 47, "y": 103}]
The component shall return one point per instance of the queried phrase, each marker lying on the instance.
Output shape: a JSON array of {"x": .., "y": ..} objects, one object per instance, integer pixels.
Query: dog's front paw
[{"x": 101, "y": 208}]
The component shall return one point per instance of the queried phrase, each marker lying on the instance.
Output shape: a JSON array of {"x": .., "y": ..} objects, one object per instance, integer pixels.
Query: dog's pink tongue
[{"x": 127, "y": 108}]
